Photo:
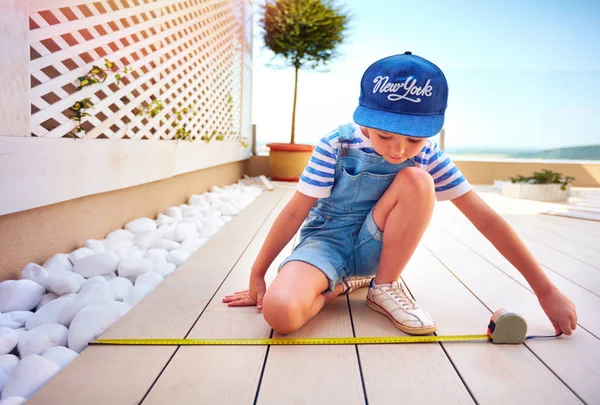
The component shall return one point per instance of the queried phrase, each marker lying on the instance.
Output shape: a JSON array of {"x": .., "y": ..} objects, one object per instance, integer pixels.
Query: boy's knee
[
  {"x": 418, "y": 181},
  {"x": 280, "y": 312}
]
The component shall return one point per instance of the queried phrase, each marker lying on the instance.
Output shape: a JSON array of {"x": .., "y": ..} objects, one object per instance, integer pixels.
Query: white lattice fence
[{"x": 184, "y": 53}]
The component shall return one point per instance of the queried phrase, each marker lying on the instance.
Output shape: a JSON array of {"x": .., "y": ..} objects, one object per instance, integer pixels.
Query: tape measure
[{"x": 504, "y": 327}]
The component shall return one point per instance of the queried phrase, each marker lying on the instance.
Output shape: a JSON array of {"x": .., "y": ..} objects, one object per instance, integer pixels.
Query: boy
[{"x": 369, "y": 191}]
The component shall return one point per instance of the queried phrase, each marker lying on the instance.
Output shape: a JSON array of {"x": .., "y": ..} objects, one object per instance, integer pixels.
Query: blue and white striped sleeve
[
  {"x": 449, "y": 182},
  {"x": 317, "y": 178}
]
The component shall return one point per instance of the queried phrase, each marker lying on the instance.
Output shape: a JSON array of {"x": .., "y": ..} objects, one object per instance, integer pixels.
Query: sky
[{"x": 522, "y": 74}]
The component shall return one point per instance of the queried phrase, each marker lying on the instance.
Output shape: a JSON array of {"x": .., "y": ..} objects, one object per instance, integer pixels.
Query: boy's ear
[{"x": 364, "y": 130}]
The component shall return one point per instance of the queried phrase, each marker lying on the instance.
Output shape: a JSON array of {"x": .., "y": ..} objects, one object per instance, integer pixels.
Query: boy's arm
[
  {"x": 557, "y": 306},
  {"x": 285, "y": 227}
]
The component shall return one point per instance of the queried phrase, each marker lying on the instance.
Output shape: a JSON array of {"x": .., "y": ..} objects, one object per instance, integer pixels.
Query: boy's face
[{"x": 393, "y": 147}]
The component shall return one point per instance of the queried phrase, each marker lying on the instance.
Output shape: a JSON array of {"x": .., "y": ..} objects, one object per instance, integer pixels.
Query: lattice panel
[{"x": 184, "y": 53}]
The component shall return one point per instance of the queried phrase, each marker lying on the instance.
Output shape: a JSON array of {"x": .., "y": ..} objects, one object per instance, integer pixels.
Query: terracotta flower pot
[{"x": 287, "y": 161}]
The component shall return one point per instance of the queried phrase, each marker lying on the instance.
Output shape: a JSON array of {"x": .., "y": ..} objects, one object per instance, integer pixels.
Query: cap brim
[{"x": 420, "y": 126}]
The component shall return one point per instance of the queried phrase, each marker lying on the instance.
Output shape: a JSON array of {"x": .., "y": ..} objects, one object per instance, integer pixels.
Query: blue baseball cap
[{"x": 404, "y": 94}]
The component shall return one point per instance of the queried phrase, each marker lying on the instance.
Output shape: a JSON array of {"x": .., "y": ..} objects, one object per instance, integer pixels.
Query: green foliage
[
  {"x": 544, "y": 177},
  {"x": 79, "y": 110},
  {"x": 152, "y": 109},
  {"x": 98, "y": 74},
  {"x": 303, "y": 32},
  {"x": 182, "y": 132}
]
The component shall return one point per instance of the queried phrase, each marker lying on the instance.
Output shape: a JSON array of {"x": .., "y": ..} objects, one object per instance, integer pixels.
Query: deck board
[
  {"x": 456, "y": 274},
  {"x": 204, "y": 374},
  {"x": 493, "y": 373},
  {"x": 168, "y": 311},
  {"x": 419, "y": 373},
  {"x": 463, "y": 231},
  {"x": 575, "y": 360}
]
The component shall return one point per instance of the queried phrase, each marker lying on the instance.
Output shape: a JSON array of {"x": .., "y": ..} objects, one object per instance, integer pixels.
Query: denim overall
[{"x": 339, "y": 236}]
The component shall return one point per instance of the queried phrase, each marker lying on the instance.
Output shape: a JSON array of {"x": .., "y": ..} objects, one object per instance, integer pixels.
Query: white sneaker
[
  {"x": 354, "y": 283},
  {"x": 397, "y": 304}
]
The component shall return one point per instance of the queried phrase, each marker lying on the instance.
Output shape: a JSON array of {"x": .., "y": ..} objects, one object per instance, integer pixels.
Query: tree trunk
[{"x": 293, "y": 140}]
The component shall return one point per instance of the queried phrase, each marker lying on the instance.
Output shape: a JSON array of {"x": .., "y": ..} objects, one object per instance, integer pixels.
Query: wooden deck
[{"x": 456, "y": 275}]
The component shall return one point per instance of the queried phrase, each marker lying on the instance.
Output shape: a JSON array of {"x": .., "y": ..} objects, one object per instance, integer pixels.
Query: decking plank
[
  {"x": 168, "y": 311},
  {"x": 206, "y": 374},
  {"x": 575, "y": 359},
  {"x": 495, "y": 374},
  {"x": 462, "y": 230}
]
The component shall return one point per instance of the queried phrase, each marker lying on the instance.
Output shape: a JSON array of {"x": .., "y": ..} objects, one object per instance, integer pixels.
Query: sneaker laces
[{"x": 398, "y": 292}]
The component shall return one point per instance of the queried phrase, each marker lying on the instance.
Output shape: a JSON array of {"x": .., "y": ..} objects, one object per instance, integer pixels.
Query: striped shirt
[{"x": 318, "y": 176}]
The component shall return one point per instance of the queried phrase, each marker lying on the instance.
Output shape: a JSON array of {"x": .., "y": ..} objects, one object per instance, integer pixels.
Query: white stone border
[{"x": 35, "y": 172}]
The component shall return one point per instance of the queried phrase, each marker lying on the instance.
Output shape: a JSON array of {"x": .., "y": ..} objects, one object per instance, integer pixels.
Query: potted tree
[
  {"x": 542, "y": 186},
  {"x": 305, "y": 35}
]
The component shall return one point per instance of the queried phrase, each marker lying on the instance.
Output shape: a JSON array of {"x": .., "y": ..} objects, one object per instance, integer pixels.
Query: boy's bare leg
[
  {"x": 403, "y": 213},
  {"x": 295, "y": 296}
]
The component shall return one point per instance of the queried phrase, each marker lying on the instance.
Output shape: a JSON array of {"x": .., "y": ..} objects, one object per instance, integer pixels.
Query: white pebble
[
  {"x": 97, "y": 264},
  {"x": 92, "y": 321},
  {"x": 163, "y": 219},
  {"x": 20, "y": 295},
  {"x": 228, "y": 209},
  {"x": 136, "y": 294},
  {"x": 14, "y": 319},
  {"x": 226, "y": 218},
  {"x": 92, "y": 294},
  {"x": 48, "y": 314},
  {"x": 167, "y": 232},
  {"x": 29, "y": 376},
  {"x": 151, "y": 279},
  {"x": 174, "y": 212},
  {"x": 8, "y": 362},
  {"x": 141, "y": 225},
  {"x": 164, "y": 269},
  {"x": 196, "y": 199},
  {"x": 191, "y": 212},
  {"x": 60, "y": 355},
  {"x": 120, "y": 287},
  {"x": 213, "y": 213},
  {"x": 37, "y": 340},
  {"x": 12, "y": 400},
  {"x": 8, "y": 340},
  {"x": 100, "y": 280},
  {"x": 145, "y": 238},
  {"x": 164, "y": 244},
  {"x": 120, "y": 246},
  {"x": 35, "y": 273},
  {"x": 156, "y": 255},
  {"x": 192, "y": 244},
  {"x": 58, "y": 262},
  {"x": 109, "y": 276},
  {"x": 95, "y": 245},
  {"x": 80, "y": 254},
  {"x": 184, "y": 230},
  {"x": 178, "y": 256},
  {"x": 119, "y": 234},
  {"x": 46, "y": 298},
  {"x": 64, "y": 282},
  {"x": 212, "y": 198},
  {"x": 134, "y": 267}
]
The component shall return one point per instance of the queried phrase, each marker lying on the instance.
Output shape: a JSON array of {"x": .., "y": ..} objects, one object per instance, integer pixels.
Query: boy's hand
[
  {"x": 560, "y": 310},
  {"x": 252, "y": 296}
]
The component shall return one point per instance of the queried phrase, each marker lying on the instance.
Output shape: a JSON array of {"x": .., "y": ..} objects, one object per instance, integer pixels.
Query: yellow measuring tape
[{"x": 289, "y": 341}]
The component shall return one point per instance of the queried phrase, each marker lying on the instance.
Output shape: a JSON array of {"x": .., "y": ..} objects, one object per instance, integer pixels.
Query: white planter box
[{"x": 537, "y": 192}]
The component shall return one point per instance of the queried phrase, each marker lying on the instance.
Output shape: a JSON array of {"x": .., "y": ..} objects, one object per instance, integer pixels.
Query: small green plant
[
  {"x": 98, "y": 74},
  {"x": 79, "y": 110},
  {"x": 544, "y": 177},
  {"x": 182, "y": 132},
  {"x": 152, "y": 109}
]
